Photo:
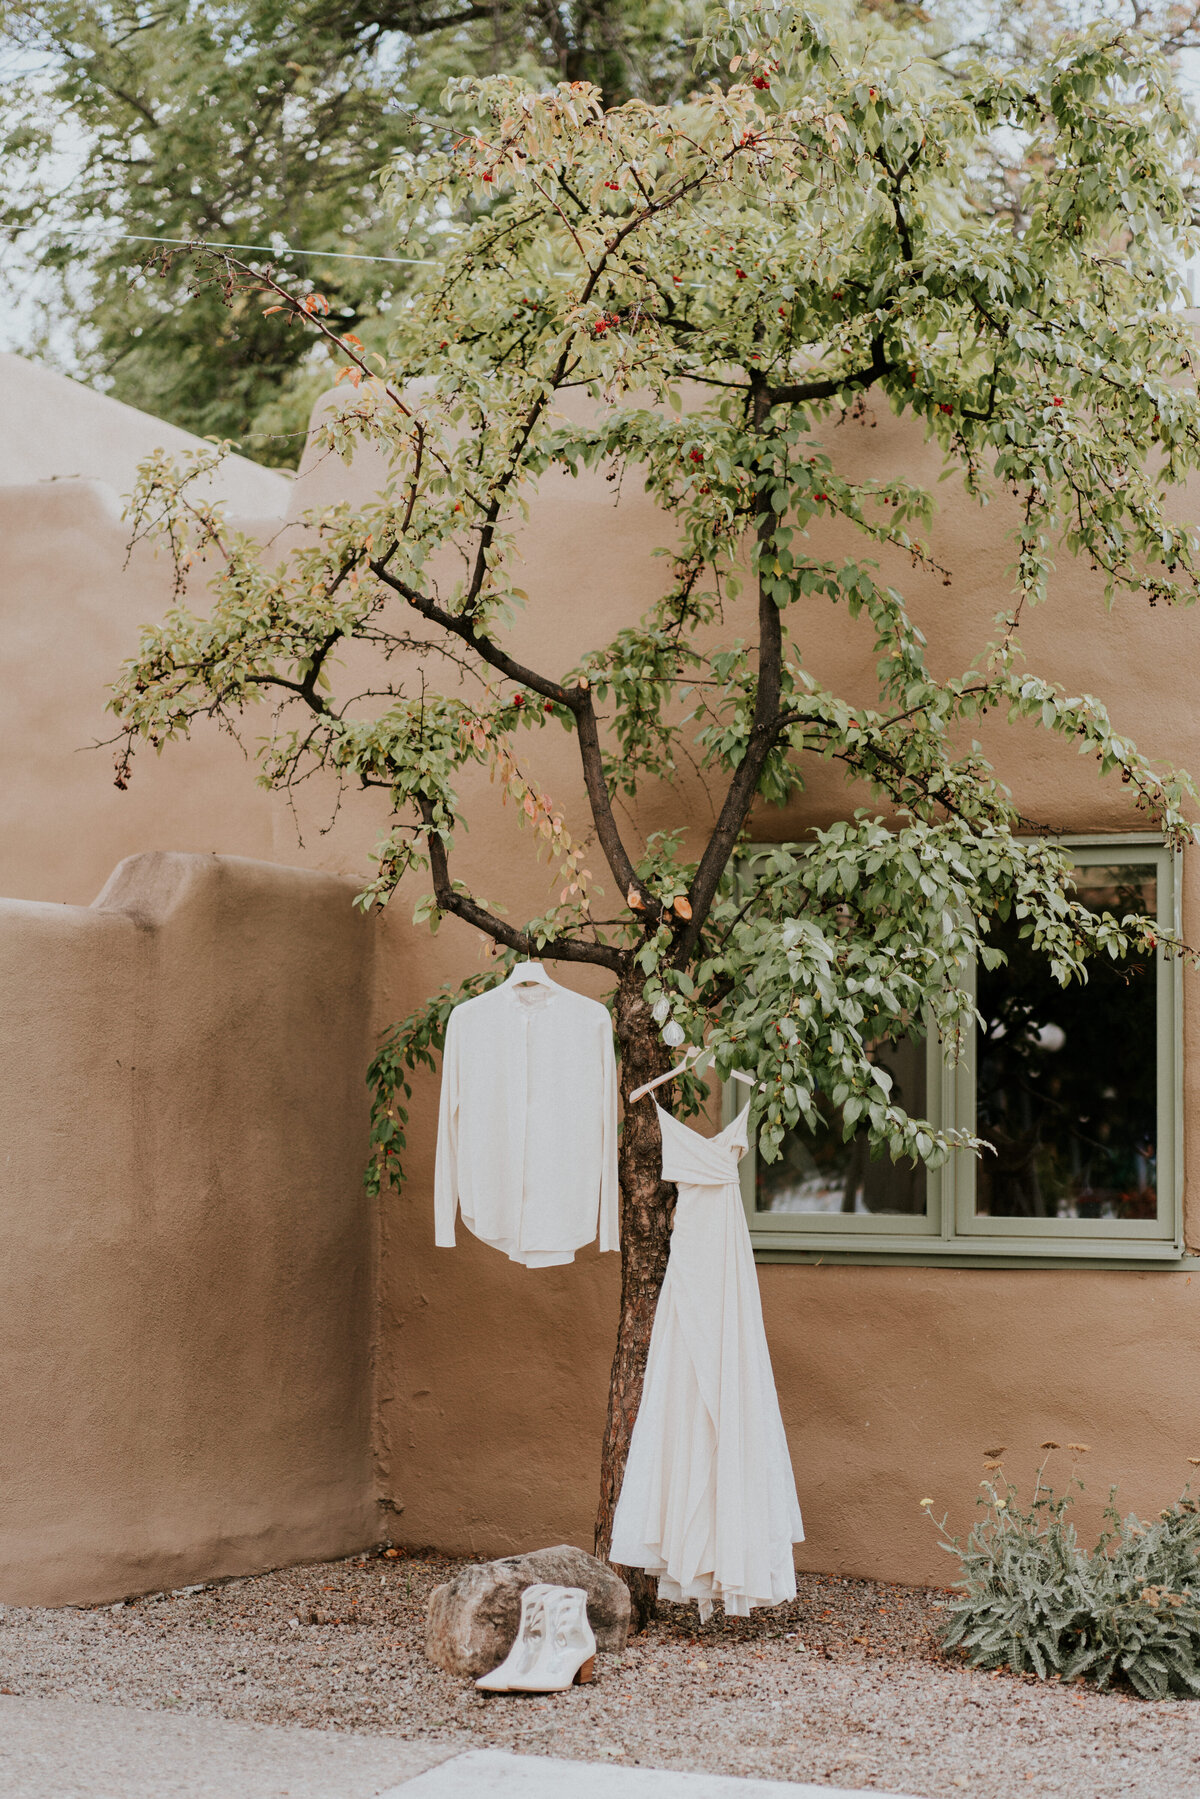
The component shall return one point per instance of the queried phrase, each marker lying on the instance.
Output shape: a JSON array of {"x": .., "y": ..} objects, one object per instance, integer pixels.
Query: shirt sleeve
[
  {"x": 445, "y": 1168},
  {"x": 610, "y": 1186}
]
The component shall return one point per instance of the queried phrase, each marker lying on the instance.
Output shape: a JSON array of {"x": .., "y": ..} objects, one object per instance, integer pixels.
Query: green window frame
[{"x": 950, "y": 1233}]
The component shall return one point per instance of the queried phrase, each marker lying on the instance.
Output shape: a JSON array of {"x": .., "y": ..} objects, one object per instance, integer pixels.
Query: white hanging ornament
[
  {"x": 674, "y": 1035},
  {"x": 662, "y": 1009}
]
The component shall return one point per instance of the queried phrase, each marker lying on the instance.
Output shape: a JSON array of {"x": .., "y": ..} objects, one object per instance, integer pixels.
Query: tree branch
[
  {"x": 460, "y": 625},
  {"x": 577, "y": 700},
  {"x": 413, "y": 20},
  {"x": 558, "y": 374},
  {"x": 461, "y": 905},
  {"x": 796, "y": 393},
  {"x": 763, "y": 731},
  {"x": 615, "y": 853}
]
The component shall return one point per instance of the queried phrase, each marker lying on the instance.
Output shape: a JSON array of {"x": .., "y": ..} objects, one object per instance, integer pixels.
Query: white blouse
[{"x": 527, "y": 1125}]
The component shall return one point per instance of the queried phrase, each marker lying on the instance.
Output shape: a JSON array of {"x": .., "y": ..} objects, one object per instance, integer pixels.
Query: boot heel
[{"x": 587, "y": 1672}]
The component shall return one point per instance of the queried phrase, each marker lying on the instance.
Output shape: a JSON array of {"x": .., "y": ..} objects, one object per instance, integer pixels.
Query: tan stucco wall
[
  {"x": 58, "y": 430},
  {"x": 491, "y": 1379},
  {"x": 186, "y": 1289},
  {"x": 72, "y": 601},
  {"x": 892, "y": 1380}
]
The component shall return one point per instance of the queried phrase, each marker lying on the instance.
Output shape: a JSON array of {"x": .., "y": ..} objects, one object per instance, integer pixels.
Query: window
[{"x": 1077, "y": 1089}]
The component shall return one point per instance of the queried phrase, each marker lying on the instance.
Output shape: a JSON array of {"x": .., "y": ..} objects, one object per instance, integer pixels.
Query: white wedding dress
[{"x": 709, "y": 1502}]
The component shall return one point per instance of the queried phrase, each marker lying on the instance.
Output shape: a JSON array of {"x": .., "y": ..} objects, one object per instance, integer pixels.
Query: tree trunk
[{"x": 647, "y": 1207}]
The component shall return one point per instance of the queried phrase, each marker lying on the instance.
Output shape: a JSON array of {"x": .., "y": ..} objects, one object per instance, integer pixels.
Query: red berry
[
  {"x": 518, "y": 699},
  {"x": 740, "y": 273},
  {"x": 696, "y": 455},
  {"x": 1057, "y": 401},
  {"x": 945, "y": 407},
  {"x": 821, "y": 496},
  {"x": 549, "y": 706},
  {"x": 488, "y": 176},
  {"x": 760, "y": 81}
]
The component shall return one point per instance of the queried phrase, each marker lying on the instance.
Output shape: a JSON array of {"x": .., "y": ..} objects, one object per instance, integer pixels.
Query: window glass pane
[
  {"x": 819, "y": 1172},
  {"x": 1067, "y": 1077}
]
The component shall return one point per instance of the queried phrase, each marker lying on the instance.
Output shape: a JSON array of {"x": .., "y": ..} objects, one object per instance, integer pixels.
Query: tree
[
  {"x": 783, "y": 247},
  {"x": 256, "y": 122},
  {"x": 259, "y": 122}
]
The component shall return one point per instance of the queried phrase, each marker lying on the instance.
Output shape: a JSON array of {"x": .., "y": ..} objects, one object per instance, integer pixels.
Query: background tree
[
  {"x": 268, "y": 121},
  {"x": 782, "y": 247},
  {"x": 257, "y": 122}
]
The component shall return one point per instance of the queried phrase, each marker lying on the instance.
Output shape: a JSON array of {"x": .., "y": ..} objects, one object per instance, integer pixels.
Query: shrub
[{"x": 1034, "y": 1600}]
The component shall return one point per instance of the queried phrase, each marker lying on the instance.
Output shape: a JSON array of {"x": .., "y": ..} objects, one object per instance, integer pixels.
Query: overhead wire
[{"x": 200, "y": 243}]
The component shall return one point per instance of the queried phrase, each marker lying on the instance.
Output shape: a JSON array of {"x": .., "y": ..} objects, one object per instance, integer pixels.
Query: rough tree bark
[{"x": 647, "y": 1208}]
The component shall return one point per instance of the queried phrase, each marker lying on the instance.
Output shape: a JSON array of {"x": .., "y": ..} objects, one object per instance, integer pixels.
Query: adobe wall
[
  {"x": 186, "y": 1289},
  {"x": 73, "y": 600},
  {"x": 56, "y": 429},
  {"x": 893, "y": 1380},
  {"x": 491, "y": 1379}
]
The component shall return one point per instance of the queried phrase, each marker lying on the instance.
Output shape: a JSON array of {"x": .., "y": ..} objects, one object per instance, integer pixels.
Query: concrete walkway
[
  {"x": 60, "y": 1749},
  {"x": 493, "y": 1774}
]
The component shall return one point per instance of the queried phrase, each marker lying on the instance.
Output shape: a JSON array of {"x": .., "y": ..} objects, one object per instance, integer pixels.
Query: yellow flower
[{"x": 927, "y": 1502}]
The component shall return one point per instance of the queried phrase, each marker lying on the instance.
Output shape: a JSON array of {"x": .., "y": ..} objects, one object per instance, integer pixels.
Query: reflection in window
[
  {"x": 820, "y": 1172},
  {"x": 1067, "y": 1077}
]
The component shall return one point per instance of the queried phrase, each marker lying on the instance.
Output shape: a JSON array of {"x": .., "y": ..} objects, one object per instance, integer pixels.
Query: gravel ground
[{"x": 844, "y": 1687}]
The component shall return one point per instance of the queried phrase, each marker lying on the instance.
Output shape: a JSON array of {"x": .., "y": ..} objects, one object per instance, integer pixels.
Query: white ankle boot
[{"x": 554, "y": 1646}]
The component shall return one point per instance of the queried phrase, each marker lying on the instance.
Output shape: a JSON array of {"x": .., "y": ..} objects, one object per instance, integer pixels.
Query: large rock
[{"x": 472, "y": 1621}]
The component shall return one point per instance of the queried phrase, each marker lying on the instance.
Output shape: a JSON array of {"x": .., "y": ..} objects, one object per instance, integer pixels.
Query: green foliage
[
  {"x": 828, "y": 947},
  {"x": 784, "y": 245},
  {"x": 269, "y": 121},
  {"x": 255, "y": 122},
  {"x": 1036, "y": 1602}
]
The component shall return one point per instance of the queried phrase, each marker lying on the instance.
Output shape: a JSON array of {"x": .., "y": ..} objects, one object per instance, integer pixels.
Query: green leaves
[
  {"x": 1035, "y": 1601},
  {"x": 699, "y": 302},
  {"x": 253, "y": 122}
]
